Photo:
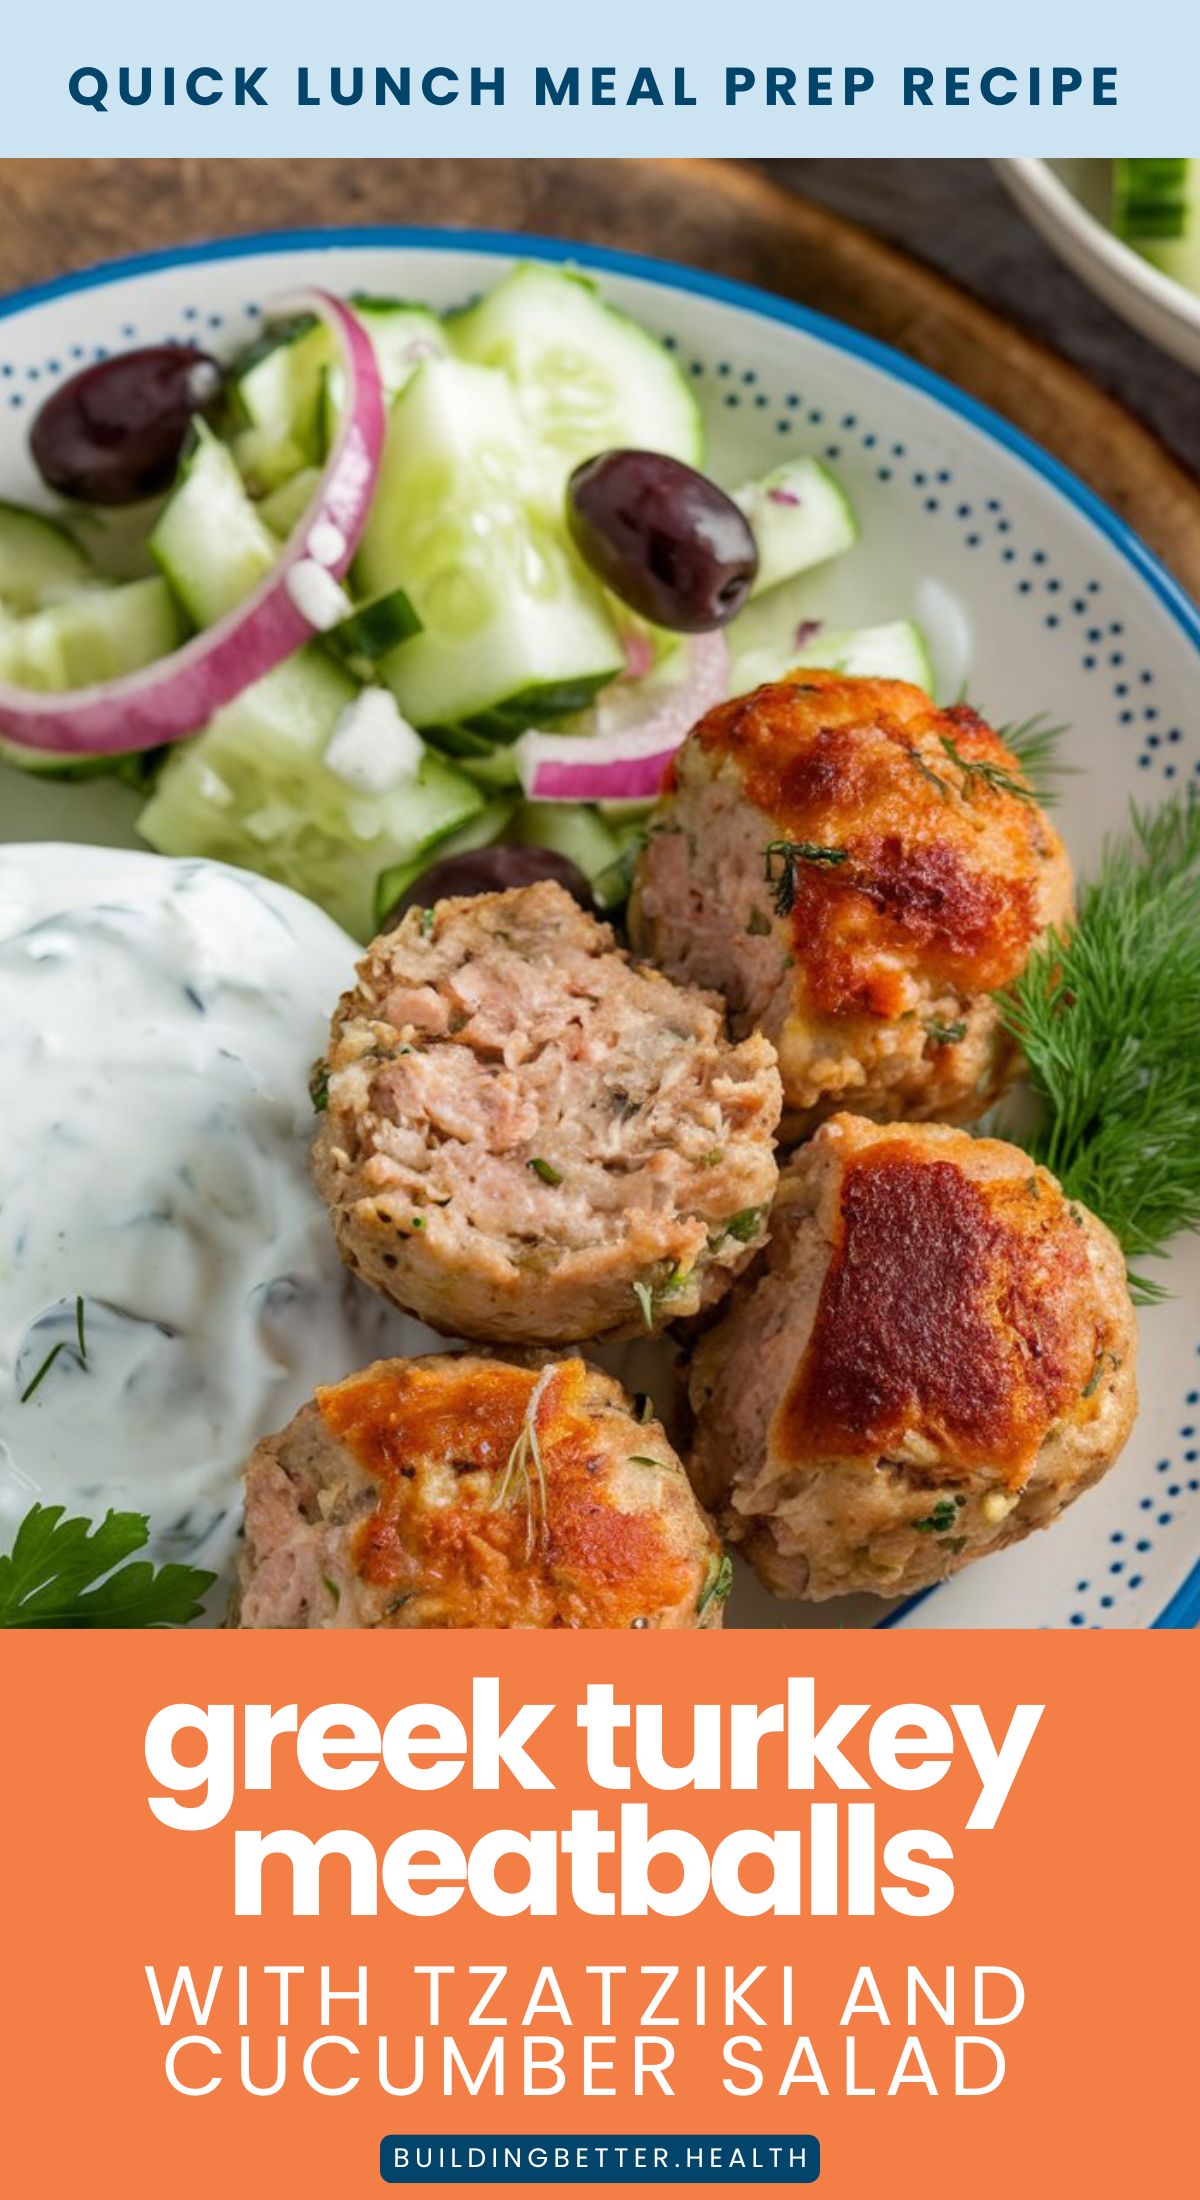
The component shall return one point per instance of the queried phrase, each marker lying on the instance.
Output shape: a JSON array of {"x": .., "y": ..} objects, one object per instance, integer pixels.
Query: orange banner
[{"x": 927, "y": 1900}]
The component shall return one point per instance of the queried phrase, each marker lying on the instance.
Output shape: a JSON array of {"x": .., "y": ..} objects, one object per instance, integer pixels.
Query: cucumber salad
[
  {"x": 1156, "y": 209},
  {"x": 390, "y": 587}
]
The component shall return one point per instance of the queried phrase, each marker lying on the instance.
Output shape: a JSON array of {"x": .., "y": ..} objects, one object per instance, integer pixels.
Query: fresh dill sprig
[
  {"x": 928, "y": 773},
  {"x": 525, "y": 1469},
  {"x": 979, "y": 771},
  {"x": 779, "y": 867},
  {"x": 1108, "y": 1019},
  {"x": 1035, "y": 742},
  {"x": 79, "y": 1353}
]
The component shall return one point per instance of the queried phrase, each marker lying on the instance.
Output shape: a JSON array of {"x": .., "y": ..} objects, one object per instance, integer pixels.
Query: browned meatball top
[
  {"x": 950, "y": 1308},
  {"x": 456, "y": 1491},
  {"x": 907, "y": 839}
]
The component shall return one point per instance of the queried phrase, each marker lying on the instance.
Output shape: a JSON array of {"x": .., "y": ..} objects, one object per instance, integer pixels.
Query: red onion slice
[
  {"x": 626, "y": 766},
  {"x": 180, "y": 693}
]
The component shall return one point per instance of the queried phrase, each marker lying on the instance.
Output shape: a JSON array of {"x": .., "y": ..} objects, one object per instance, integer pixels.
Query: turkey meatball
[
  {"x": 529, "y": 1137},
  {"x": 463, "y": 1492},
  {"x": 936, "y": 1355},
  {"x": 857, "y": 873}
]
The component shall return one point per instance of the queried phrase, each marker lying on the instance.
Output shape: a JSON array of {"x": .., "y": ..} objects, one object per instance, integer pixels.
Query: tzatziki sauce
[{"x": 158, "y": 1025}]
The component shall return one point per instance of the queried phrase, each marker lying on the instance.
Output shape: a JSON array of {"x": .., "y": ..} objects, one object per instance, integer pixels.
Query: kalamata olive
[
  {"x": 663, "y": 537},
  {"x": 489, "y": 871},
  {"x": 114, "y": 433}
]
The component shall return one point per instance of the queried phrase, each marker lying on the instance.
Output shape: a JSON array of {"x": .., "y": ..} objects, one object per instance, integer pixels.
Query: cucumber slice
[
  {"x": 286, "y": 506},
  {"x": 253, "y": 789},
  {"x": 512, "y": 623},
  {"x": 489, "y": 763},
  {"x": 96, "y": 636},
  {"x": 572, "y": 829},
  {"x": 280, "y": 395},
  {"x": 371, "y": 631},
  {"x": 897, "y": 651},
  {"x": 211, "y": 542},
  {"x": 99, "y": 635},
  {"x": 115, "y": 538},
  {"x": 800, "y": 516},
  {"x": 38, "y": 560},
  {"x": 290, "y": 394},
  {"x": 479, "y": 833},
  {"x": 1156, "y": 208},
  {"x": 587, "y": 379},
  {"x": 402, "y": 338}
]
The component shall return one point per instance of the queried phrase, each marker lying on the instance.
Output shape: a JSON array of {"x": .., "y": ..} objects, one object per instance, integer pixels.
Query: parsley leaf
[
  {"x": 745, "y": 1225},
  {"x": 65, "y": 1572},
  {"x": 939, "y": 1520}
]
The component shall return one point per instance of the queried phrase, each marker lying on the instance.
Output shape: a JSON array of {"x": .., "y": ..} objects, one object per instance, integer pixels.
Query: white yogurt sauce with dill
[{"x": 158, "y": 1024}]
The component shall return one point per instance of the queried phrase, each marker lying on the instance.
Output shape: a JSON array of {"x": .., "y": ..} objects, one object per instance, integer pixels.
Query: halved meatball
[
  {"x": 936, "y": 1355},
  {"x": 529, "y": 1137},
  {"x": 856, "y": 872},
  {"x": 463, "y": 1492}
]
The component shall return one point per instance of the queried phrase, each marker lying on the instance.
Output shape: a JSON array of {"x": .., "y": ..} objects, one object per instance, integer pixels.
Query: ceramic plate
[
  {"x": 1068, "y": 203},
  {"x": 1030, "y": 590}
]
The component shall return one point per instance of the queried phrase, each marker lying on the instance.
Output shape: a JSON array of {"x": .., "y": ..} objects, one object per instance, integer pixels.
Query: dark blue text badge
[{"x": 408, "y": 2158}]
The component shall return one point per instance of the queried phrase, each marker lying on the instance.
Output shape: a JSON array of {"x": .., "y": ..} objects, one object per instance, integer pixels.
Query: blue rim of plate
[{"x": 1183, "y": 1607}]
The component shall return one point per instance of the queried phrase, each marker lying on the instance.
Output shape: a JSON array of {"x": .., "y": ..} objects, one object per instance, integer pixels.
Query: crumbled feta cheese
[
  {"x": 996, "y": 1506},
  {"x": 210, "y": 785},
  {"x": 326, "y": 543},
  {"x": 373, "y": 747},
  {"x": 321, "y": 601}
]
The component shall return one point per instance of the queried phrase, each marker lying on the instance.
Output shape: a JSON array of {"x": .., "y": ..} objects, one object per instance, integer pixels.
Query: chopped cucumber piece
[
  {"x": 115, "y": 538},
  {"x": 512, "y": 623},
  {"x": 487, "y": 826},
  {"x": 491, "y": 763},
  {"x": 613, "y": 887},
  {"x": 799, "y": 516},
  {"x": 371, "y": 631},
  {"x": 210, "y": 541},
  {"x": 85, "y": 639},
  {"x": 38, "y": 560},
  {"x": 253, "y": 789},
  {"x": 894, "y": 652},
  {"x": 402, "y": 338},
  {"x": 572, "y": 829},
  {"x": 290, "y": 394},
  {"x": 280, "y": 393},
  {"x": 286, "y": 506},
  {"x": 96, "y": 636},
  {"x": 587, "y": 378},
  {"x": 1156, "y": 208}
]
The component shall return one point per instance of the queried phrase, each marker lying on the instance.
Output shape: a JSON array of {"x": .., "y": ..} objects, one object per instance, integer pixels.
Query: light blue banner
[{"x": 646, "y": 77}]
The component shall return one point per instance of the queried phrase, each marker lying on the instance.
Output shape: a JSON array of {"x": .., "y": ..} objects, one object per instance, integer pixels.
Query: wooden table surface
[
  {"x": 957, "y": 216},
  {"x": 760, "y": 222}
]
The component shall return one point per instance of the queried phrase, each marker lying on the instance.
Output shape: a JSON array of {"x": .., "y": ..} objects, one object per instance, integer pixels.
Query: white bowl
[
  {"x": 1067, "y": 202},
  {"x": 1029, "y": 587}
]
